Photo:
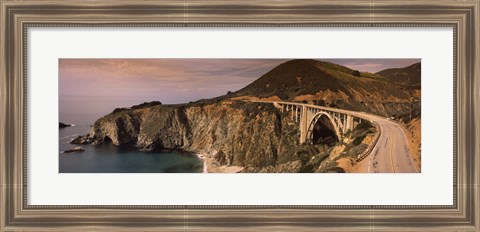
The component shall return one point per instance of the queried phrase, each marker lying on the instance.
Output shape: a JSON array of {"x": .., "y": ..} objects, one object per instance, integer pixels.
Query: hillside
[
  {"x": 328, "y": 84},
  {"x": 409, "y": 76},
  {"x": 257, "y": 136}
]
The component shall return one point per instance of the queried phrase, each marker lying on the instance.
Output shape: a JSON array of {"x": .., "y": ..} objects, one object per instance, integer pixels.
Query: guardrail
[{"x": 372, "y": 145}]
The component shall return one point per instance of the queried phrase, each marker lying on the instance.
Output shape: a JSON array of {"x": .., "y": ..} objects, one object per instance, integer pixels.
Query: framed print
[{"x": 239, "y": 116}]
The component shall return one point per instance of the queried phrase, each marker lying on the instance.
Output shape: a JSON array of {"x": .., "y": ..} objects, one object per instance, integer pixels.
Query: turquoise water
[{"x": 107, "y": 158}]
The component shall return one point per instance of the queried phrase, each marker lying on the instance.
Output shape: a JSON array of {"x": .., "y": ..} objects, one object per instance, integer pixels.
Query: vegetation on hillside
[
  {"x": 409, "y": 76},
  {"x": 333, "y": 85}
]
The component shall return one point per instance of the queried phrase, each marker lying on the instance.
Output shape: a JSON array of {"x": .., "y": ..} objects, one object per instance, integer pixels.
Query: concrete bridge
[
  {"x": 308, "y": 115},
  {"x": 388, "y": 153}
]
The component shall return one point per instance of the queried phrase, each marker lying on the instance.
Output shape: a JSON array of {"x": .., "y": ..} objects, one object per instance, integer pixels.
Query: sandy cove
[{"x": 211, "y": 166}]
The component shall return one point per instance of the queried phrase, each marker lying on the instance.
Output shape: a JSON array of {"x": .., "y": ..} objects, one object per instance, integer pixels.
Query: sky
[{"x": 174, "y": 81}]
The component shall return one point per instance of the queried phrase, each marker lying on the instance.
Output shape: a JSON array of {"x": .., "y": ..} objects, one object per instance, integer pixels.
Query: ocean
[{"x": 107, "y": 158}]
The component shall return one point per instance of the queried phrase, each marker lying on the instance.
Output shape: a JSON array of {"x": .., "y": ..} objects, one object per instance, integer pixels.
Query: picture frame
[{"x": 17, "y": 16}]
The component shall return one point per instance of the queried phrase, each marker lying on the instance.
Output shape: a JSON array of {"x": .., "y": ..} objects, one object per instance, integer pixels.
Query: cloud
[
  {"x": 374, "y": 65},
  {"x": 158, "y": 77}
]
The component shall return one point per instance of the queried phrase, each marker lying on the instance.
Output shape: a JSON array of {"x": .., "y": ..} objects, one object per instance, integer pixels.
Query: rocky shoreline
[
  {"x": 229, "y": 136},
  {"x": 210, "y": 164}
]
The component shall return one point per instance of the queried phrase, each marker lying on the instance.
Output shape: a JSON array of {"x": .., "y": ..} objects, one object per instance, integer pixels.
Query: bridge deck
[{"x": 388, "y": 153}]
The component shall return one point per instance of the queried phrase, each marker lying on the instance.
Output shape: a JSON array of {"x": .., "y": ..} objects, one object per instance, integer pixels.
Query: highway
[{"x": 391, "y": 153}]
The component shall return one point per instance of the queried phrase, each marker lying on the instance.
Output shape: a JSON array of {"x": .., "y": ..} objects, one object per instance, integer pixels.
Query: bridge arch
[{"x": 316, "y": 118}]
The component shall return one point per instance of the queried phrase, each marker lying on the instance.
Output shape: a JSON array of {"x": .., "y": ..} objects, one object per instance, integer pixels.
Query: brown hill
[
  {"x": 328, "y": 84},
  {"x": 293, "y": 78},
  {"x": 409, "y": 76}
]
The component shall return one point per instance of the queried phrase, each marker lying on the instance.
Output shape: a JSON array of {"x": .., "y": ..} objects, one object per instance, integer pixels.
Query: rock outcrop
[
  {"x": 75, "y": 149},
  {"x": 246, "y": 134},
  {"x": 256, "y": 136},
  {"x": 63, "y": 125}
]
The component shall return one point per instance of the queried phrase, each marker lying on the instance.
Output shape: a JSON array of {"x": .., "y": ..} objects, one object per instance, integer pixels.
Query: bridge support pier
[
  {"x": 304, "y": 120},
  {"x": 348, "y": 124}
]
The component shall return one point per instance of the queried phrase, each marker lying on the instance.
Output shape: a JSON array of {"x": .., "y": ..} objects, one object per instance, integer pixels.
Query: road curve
[{"x": 391, "y": 153}]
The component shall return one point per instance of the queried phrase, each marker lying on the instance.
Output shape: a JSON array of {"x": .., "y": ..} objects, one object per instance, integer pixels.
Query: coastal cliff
[
  {"x": 232, "y": 130},
  {"x": 255, "y": 136}
]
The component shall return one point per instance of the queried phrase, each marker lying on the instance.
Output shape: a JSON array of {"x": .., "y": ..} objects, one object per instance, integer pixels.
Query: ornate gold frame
[{"x": 17, "y": 16}]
